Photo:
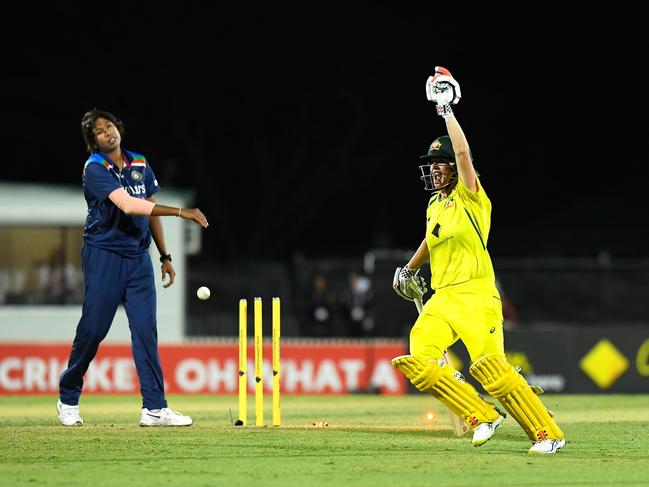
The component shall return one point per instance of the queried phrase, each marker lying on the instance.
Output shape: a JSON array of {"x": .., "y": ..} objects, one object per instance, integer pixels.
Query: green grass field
[{"x": 370, "y": 441}]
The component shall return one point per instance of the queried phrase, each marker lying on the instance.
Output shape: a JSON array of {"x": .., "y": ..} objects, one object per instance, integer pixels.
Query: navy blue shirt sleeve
[
  {"x": 150, "y": 182},
  {"x": 99, "y": 181}
]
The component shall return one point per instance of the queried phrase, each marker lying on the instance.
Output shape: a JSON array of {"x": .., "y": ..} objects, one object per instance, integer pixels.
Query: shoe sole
[
  {"x": 559, "y": 446},
  {"x": 144, "y": 425},
  {"x": 498, "y": 422}
]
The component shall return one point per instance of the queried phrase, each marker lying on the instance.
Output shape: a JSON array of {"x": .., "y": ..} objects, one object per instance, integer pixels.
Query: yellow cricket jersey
[{"x": 457, "y": 230}]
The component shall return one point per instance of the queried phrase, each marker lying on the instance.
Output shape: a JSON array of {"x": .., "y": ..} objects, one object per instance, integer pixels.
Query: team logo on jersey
[
  {"x": 136, "y": 176},
  {"x": 435, "y": 145}
]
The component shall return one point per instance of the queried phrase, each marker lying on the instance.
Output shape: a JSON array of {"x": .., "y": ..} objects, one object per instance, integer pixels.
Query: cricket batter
[
  {"x": 466, "y": 304},
  {"x": 120, "y": 187}
]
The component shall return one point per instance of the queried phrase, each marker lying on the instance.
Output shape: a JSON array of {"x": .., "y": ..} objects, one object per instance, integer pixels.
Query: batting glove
[
  {"x": 408, "y": 284},
  {"x": 443, "y": 90}
]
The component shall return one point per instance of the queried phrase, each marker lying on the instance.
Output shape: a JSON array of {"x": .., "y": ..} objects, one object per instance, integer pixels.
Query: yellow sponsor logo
[
  {"x": 604, "y": 364},
  {"x": 642, "y": 359}
]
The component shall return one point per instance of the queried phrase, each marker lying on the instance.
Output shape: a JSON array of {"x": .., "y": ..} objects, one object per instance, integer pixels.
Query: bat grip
[{"x": 419, "y": 305}]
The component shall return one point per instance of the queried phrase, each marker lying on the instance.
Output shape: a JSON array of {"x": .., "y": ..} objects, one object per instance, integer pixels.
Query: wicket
[{"x": 259, "y": 359}]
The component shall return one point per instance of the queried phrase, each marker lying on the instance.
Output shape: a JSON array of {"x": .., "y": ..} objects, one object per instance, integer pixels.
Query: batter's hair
[{"x": 88, "y": 124}]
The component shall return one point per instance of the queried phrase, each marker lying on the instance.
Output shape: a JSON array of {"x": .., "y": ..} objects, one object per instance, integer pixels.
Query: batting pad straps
[
  {"x": 503, "y": 382},
  {"x": 447, "y": 385}
]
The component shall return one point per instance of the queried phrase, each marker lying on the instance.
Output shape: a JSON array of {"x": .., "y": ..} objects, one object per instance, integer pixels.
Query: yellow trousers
[{"x": 470, "y": 312}]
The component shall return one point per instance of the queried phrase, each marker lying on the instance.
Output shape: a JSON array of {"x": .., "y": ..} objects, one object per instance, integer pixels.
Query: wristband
[
  {"x": 444, "y": 111},
  {"x": 407, "y": 273},
  {"x": 165, "y": 257}
]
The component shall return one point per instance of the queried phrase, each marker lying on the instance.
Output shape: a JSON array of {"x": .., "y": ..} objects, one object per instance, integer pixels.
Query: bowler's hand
[
  {"x": 168, "y": 270},
  {"x": 196, "y": 215}
]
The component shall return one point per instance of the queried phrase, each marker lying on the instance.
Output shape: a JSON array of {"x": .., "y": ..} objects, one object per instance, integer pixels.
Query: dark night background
[{"x": 299, "y": 129}]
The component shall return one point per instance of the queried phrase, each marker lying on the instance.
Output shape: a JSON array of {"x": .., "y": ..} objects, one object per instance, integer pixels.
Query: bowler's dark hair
[{"x": 88, "y": 124}]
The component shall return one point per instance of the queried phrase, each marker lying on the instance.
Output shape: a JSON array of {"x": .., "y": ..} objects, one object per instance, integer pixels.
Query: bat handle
[{"x": 419, "y": 305}]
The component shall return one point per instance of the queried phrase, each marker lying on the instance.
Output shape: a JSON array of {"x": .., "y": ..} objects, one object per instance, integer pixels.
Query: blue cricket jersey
[{"x": 107, "y": 227}]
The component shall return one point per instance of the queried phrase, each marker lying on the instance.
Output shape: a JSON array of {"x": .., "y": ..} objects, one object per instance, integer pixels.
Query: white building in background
[{"x": 41, "y": 225}]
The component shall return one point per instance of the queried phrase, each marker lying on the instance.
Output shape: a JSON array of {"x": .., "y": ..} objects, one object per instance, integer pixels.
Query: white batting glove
[
  {"x": 443, "y": 90},
  {"x": 408, "y": 285}
]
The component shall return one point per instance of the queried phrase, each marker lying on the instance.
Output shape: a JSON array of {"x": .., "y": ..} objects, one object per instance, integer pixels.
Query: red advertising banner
[{"x": 307, "y": 367}]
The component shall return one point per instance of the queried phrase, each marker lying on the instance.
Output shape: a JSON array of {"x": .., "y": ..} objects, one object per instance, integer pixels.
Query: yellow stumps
[
  {"x": 259, "y": 362},
  {"x": 277, "y": 417},
  {"x": 243, "y": 362},
  {"x": 259, "y": 365}
]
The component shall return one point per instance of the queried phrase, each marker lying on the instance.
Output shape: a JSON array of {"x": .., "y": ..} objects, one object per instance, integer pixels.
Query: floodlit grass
[{"x": 370, "y": 441}]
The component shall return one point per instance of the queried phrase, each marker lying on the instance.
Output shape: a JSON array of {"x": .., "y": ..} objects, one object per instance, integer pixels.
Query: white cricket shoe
[
  {"x": 68, "y": 415},
  {"x": 546, "y": 447},
  {"x": 484, "y": 431},
  {"x": 163, "y": 417}
]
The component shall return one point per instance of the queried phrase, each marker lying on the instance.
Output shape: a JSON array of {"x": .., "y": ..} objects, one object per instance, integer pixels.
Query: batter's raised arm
[
  {"x": 444, "y": 90},
  {"x": 465, "y": 169}
]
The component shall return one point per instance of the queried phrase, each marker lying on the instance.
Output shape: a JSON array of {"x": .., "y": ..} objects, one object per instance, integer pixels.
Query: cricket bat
[{"x": 459, "y": 426}]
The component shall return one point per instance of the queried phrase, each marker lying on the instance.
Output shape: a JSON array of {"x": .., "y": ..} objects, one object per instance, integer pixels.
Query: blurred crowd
[
  {"x": 52, "y": 280},
  {"x": 342, "y": 310}
]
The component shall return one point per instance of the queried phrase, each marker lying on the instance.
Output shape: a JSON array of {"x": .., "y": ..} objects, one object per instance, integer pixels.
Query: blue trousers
[{"x": 111, "y": 279}]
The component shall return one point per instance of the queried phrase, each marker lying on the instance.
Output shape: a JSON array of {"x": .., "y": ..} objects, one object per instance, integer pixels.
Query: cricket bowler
[{"x": 123, "y": 217}]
